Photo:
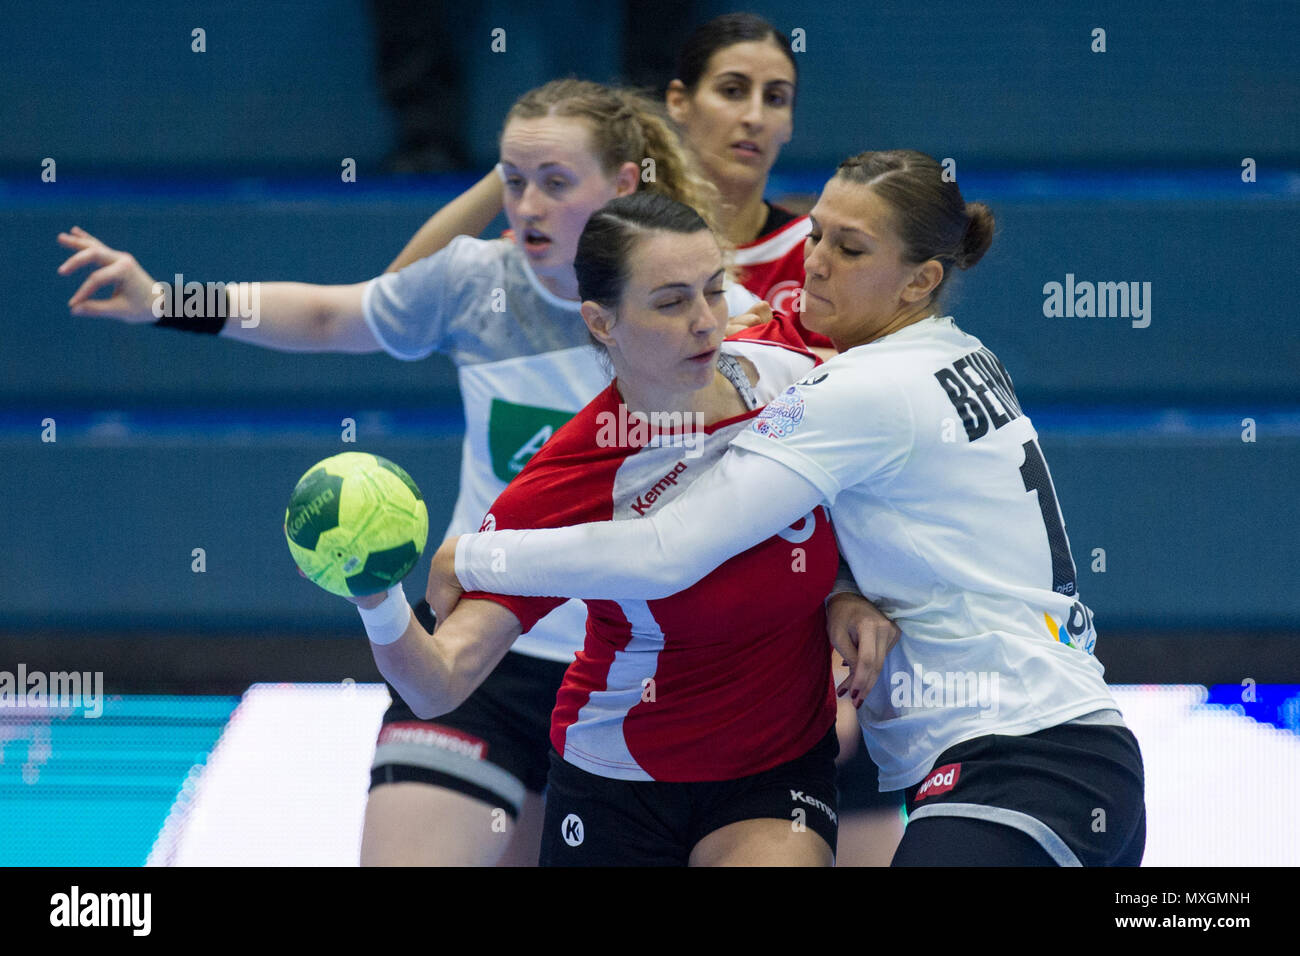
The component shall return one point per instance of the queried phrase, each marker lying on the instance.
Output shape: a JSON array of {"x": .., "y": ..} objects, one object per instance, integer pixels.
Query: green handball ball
[{"x": 356, "y": 524}]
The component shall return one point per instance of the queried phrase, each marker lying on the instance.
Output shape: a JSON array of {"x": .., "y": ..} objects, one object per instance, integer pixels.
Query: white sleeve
[
  {"x": 739, "y": 299},
  {"x": 411, "y": 312},
  {"x": 740, "y": 502},
  {"x": 839, "y": 426}
]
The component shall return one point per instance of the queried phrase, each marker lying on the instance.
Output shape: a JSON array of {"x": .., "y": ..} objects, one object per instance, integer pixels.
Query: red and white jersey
[
  {"x": 771, "y": 267},
  {"x": 727, "y": 678}
]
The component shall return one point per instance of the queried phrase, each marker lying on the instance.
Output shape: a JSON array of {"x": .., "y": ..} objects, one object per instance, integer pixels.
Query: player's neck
[
  {"x": 899, "y": 322},
  {"x": 563, "y": 287},
  {"x": 742, "y": 212}
]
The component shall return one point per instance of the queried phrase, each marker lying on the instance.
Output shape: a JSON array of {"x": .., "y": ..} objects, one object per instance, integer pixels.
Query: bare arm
[
  {"x": 286, "y": 316},
  {"x": 435, "y": 673},
  {"x": 466, "y": 215}
]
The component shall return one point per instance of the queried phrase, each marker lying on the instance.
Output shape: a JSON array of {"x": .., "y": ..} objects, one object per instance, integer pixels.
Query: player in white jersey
[
  {"x": 992, "y": 712},
  {"x": 693, "y": 729},
  {"x": 506, "y": 312}
]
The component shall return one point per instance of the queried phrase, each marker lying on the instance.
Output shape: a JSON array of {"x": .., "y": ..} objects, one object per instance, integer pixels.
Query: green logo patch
[{"x": 517, "y": 432}]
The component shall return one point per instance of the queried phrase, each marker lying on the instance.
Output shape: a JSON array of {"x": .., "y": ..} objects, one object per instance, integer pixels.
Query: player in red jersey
[
  {"x": 733, "y": 99},
  {"x": 696, "y": 728}
]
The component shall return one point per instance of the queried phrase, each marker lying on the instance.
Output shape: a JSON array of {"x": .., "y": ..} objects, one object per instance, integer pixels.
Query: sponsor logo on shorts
[
  {"x": 645, "y": 501},
  {"x": 941, "y": 780},
  {"x": 781, "y": 416},
  {"x": 571, "y": 829},
  {"x": 800, "y": 797},
  {"x": 445, "y": 738}
]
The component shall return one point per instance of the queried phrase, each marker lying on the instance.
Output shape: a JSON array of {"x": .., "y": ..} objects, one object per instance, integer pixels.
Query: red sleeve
[
  {"x": 567, "y": 482},
  {"x": 783, "y": 330},
  {"x": 510, "y": 511}
]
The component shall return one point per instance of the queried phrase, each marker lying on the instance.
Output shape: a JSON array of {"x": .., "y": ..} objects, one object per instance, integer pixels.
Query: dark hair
[
  {"x": 930, "y": 216},
  {"x": 720, "y": 33},
  {"x": 603, "y": 259}
]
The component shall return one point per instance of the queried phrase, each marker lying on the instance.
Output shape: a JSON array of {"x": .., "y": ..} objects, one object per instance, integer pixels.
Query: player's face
[
  {"x": 553, "y": 183},
  {"x": 673, "y": 314},
  {"x": 742, "y": 111},
  {"x": 857, "y": 284}
]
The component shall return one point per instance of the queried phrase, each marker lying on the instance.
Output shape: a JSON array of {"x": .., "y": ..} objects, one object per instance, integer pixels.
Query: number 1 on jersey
[{"x": 1034, "y": 474}]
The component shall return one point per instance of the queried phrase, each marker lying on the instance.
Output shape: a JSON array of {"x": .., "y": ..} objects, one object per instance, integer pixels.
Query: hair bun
[{"x": 978, "y": 237}]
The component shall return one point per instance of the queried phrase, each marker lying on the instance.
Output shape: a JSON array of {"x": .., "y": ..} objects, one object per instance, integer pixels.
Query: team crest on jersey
[{"x": 781, "y": 416}]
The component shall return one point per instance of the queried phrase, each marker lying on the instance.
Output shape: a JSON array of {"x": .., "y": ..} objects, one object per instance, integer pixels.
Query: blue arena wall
[
  {"x": 168, "y": 442},
  {"x": 1123, "y": 166},
  {"x": 293, "y": 84}
]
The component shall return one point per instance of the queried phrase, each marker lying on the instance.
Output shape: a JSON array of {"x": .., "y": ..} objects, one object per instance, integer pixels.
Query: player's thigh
[
  {"x": 963, "y": 841},
  {"x": 417, "y": 824},
  {"x": 868, "y": 837},
  {"x": 526, "y": 837},
  {"x": 467, "y": 779},
  {"x": 785, "y": 816},
  {"x": 762, "y": 843},
  {"x": 871, "y": 822}
]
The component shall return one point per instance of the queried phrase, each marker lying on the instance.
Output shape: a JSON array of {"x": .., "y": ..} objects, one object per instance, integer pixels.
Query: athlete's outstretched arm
[
  {"x": 743, "y": 500},
  {"x": 289, "y": 316},
  {"x": 435, "y": 673},
  {"x": 467, "y": 215}
]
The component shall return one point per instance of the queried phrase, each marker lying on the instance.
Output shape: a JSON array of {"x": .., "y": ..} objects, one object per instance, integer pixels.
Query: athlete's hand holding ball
[{"x": 356, "y": 524}]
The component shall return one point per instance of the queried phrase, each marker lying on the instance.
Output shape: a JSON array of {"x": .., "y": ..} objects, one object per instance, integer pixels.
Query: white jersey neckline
[{"x": 572, "y": 305}]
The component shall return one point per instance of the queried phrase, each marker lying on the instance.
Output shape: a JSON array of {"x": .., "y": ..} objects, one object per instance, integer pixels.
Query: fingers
[
  {"x": 93, "y": 255},
  {"x": 875, "y": 641},
  {"x": 94, "y": 282},
  {"x": 111, "y": 274},
  {"x": 78, "y": 238},
  {"x": 844, "y": 644}
]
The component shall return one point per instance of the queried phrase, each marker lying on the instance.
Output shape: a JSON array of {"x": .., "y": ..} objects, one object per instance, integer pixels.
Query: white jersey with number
[
  {"x": 524, "y": 363},
  {"x": 944, "y": 509}
]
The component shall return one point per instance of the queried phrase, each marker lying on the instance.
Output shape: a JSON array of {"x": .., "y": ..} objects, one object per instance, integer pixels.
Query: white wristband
[{"x": 387, "y": 622}]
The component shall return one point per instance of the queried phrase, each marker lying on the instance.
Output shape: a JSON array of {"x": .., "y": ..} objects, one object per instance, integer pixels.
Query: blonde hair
[{"x": 626, "y": 127}]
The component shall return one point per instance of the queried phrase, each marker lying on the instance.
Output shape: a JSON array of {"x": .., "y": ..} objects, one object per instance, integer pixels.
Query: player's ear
[
  {"x": 677, "y": 102},
  {"x": 599, "y": 321},
  {"x": 627, "y": 179},
  {"x": 924, "y": 280}
]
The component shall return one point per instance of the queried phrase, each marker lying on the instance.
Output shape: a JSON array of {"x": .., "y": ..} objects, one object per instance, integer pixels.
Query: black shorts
[
  {"x": 493, "y": 747},
  {"x": 858, "y": 783},
  {"x": 1076, "y": 790},
  {"x": 597, "y": 821}
]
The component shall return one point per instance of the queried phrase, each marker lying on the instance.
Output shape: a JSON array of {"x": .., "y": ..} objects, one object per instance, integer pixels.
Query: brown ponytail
[{"x": 626, "y": 127}]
